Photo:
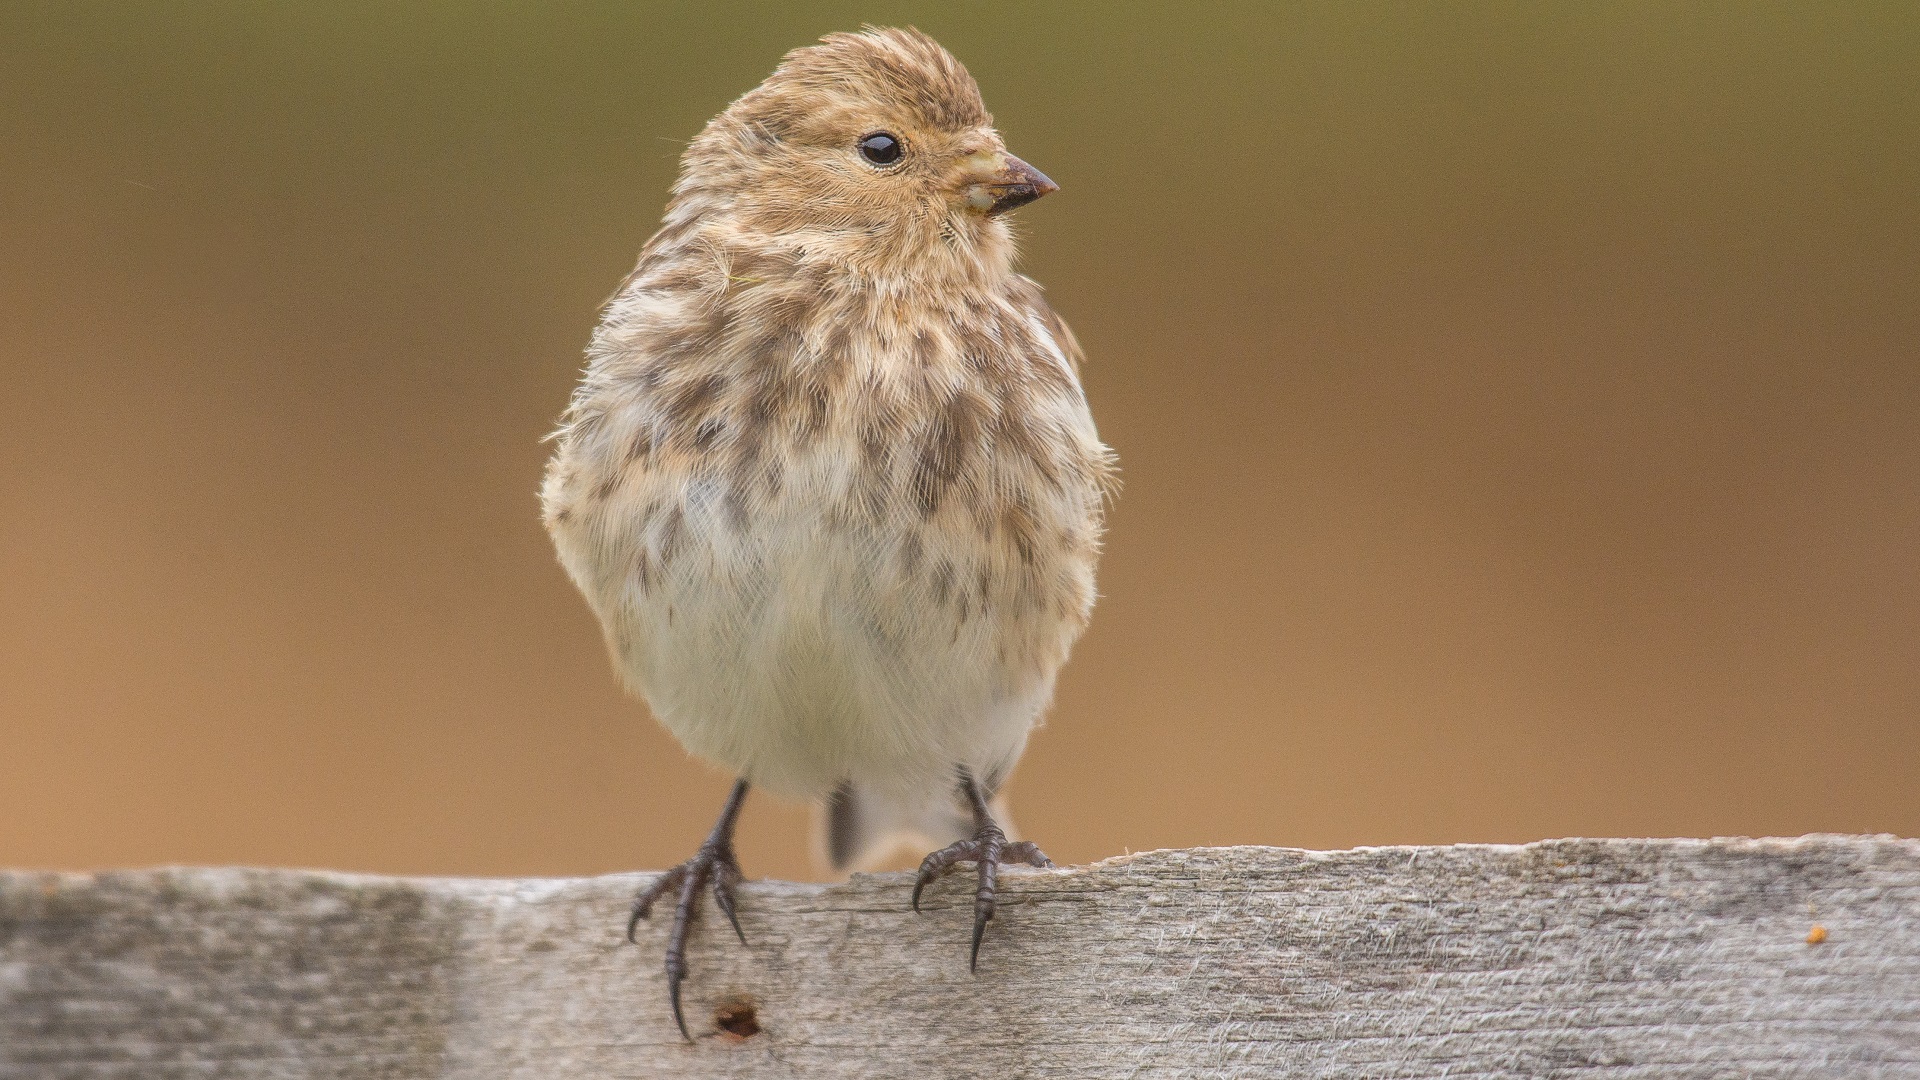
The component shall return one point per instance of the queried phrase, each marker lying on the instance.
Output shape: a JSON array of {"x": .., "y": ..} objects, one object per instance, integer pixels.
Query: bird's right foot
[{"x": 714, "y": 864}]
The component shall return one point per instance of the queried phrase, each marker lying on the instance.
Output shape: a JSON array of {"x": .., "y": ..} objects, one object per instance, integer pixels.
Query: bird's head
[{"x": 873, "y": 149}]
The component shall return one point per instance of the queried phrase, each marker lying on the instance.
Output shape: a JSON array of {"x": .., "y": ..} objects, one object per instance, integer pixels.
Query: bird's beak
[{"x": 1010, "y": 183}]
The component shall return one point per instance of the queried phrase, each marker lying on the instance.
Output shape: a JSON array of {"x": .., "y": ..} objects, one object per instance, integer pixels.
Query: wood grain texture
[{"x": 1589, "y": 958}]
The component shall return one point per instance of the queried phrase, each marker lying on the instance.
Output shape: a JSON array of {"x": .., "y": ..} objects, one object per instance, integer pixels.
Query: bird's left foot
[{"x": 988, "y": 851}]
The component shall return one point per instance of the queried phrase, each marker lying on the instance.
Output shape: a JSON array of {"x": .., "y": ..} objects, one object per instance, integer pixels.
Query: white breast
[{"x": 800, "y": 646}]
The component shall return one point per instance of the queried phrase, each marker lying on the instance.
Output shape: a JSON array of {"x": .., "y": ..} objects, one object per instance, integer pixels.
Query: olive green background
[{"x": 1519, "y": 407}]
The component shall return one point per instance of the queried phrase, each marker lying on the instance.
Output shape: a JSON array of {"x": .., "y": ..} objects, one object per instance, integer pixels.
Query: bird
[{"x": 829, "y": 479}]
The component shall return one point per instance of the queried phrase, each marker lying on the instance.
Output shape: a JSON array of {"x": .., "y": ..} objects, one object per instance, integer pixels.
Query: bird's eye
[{"x": 880, "y": 148}]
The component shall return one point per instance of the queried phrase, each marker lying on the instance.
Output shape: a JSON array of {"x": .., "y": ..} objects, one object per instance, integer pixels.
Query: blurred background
[{"x": 1519, "y": 408}]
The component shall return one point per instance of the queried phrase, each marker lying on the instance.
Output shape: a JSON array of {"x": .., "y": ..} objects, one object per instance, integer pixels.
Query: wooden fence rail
[{"x": 1587, "y": 958}]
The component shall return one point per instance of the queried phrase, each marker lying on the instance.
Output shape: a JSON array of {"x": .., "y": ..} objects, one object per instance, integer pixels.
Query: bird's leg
[
  {"x": 714, "y": 863},
  {"x": 987, "y": 850}
]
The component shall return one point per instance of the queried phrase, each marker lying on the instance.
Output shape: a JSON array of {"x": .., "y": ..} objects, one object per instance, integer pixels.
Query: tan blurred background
[{"x": 1519, "y": 407}]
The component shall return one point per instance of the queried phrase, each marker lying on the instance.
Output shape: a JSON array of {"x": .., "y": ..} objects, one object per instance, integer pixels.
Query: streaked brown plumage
[{"x": 829, "y": 481}]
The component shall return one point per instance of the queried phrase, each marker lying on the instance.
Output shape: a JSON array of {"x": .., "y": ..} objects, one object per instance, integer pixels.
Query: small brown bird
[{"x": 829, "y": 481}]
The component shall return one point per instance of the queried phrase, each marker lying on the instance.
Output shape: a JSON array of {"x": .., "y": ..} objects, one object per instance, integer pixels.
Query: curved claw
[
  {"x": 982, "y": 914},
  {"x": 674, "y": 975},
  {"x": 989, "y": 864},
  {"x": 643, "y": 903},
  {"x": 940, "y": 864},
  {"x": 979, "y": 932},
  {"x": 725, "y": 877},
  {"x": 1025, "y": 851}
]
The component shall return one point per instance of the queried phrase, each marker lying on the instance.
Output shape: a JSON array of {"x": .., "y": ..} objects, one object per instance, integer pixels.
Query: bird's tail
[{"x": 860, "y": 828}]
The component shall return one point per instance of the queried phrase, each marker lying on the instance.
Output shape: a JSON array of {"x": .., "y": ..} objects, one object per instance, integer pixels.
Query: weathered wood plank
[{"x": 1606, "y": 958}]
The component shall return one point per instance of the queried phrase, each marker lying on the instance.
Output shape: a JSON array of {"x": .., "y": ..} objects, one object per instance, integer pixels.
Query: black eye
[{"x": 880, "y": 148}]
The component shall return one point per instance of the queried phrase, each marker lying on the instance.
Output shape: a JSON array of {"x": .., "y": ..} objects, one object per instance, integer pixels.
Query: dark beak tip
[
  {"x": 1024, "y": 173},
  {"x": 1024, "y": 183}
]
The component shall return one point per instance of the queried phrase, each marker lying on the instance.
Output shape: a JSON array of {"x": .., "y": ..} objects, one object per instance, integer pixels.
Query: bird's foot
[
  {"x": 988, "y": 851},
  {"x": 714, "y": 864}
]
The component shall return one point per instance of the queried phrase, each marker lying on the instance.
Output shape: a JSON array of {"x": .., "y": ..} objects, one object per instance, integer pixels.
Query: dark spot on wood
[{"x": 738, "y": 1018}]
